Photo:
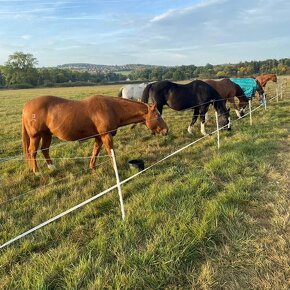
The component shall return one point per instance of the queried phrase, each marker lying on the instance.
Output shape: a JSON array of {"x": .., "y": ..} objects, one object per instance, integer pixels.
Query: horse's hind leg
[
  {"x": 194, "y": 118},
  {"x": 107, "y": 140},
  {"x": 97, "y": 147},
  {"x": 46, "y": 141},
  {"x": 33, "y": 146}
]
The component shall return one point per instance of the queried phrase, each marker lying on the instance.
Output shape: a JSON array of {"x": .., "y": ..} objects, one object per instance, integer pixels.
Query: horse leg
[
  {"x": 160, "y": 108},
  {"x": 107, "y": 140},
  {"x": 232, "y": 101},
  {"x": 97, "y": 147},
  {"x": 202, "y": 114},
  {"x": 33, "y": 146},
  {"x": 46, "y": 141},
  {"x": 194, "y": 118}
]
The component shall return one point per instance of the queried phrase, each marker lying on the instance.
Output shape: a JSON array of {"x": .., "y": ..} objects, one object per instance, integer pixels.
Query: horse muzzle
[{"x": 164, "y": 132}]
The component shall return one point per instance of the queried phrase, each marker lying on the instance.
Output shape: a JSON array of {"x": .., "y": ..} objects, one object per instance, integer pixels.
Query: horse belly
[
  {"x": 179, "y": 104},
  {"x": 73, "y": 130}
]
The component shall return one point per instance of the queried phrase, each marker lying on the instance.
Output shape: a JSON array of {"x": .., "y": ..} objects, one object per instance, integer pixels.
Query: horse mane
[
  {"x": 120, "y": 92},
  {"x": 145, "y": 95},
  {"x": 260, "y": 89}
]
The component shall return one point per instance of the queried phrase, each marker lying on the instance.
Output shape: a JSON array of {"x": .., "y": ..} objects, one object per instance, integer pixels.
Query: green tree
[{"x": 20, "y": 69}]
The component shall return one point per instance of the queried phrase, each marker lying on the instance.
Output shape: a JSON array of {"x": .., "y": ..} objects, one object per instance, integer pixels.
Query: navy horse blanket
[{"x": 248, "y": 85}]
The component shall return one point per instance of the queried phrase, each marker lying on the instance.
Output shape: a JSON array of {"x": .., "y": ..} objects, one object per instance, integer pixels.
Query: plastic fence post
[
  {"x": 250, "y": 111},
  {"x": 118, "y": 184},
  {"x": 218, "y": 131}
]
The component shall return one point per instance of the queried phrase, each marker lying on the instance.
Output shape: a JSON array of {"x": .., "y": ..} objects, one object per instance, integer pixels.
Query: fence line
[{"x": 113, "y": 187}]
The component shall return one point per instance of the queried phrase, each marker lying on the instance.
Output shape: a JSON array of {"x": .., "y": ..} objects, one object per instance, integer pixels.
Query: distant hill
[{"x": 105, "y": 68}]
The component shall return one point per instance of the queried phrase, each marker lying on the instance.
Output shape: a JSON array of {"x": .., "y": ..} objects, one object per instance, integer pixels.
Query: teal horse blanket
[{"x": 248, "y": 85}]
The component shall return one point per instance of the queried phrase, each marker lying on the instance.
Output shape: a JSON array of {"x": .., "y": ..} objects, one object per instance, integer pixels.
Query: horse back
[{"x": 67, "y": 119}]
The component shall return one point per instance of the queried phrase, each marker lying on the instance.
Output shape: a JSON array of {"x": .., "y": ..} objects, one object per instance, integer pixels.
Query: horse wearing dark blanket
[{"x": 196, "y": 95}]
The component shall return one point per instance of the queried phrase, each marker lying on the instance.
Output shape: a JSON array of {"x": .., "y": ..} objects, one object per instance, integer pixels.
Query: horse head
[
  {"x": 243, "y": 102},
  {"x": 274, "y": 78},
  {"x": 154, "y": 121},
  {"x": 223, "y": 112}
]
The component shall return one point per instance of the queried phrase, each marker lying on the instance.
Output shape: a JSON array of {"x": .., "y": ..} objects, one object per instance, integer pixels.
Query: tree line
[
  {"x": 186, "y": 72},
  {"x": 20, "y": 72}
]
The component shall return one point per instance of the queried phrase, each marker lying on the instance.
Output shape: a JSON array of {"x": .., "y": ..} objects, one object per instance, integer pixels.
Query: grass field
[{"x": 203, "y": 219}]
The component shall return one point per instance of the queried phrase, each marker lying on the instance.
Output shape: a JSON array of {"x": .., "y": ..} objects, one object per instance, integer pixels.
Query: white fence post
[
  {"x": 218, "y": 131},
  {"x": 118, "y": 184},
  {"x": 250, "y": 111},
  {"x": 281, "y": 90}
]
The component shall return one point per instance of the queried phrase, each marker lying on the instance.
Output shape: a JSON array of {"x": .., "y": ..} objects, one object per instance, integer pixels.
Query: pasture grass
[{"x": 202, "y": 219}]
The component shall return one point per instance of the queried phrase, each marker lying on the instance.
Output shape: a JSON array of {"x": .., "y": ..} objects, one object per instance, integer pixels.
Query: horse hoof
[
  {"x": 51, "y": 167},
  {"x": 36, "y": 173},
  {"x": 189, "y": 130}
]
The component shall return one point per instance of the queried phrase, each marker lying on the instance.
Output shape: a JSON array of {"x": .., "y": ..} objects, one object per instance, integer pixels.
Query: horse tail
[
  {"x": 25, "y": 141},
  {"x": 145, "y": 95},
  {"x": 120, "y": 92}
]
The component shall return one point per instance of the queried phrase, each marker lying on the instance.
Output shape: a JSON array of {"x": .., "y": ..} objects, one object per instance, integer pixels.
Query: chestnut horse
[
  {"x": 264, "y": 78},
  {"x": 229, "y": 90},
  {"x": 96, "y": 117}
]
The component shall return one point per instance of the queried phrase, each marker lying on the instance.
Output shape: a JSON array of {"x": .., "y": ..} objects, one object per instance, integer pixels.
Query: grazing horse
[
  {"x": 132, "y": 92},
  {"x": 196, "y": 95},
  {"x": 250, "y": 86},
  {"x": 96, "y": 117},
  {"x": 229, "y": 90},
  {"x": 264, "y": 78}
]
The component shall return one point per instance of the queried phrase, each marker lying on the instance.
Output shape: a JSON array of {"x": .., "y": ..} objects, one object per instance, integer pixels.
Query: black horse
[{"x": 197, "y": 95}]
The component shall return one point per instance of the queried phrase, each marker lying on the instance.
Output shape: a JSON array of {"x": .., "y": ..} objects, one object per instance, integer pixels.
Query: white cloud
[
  {"x": 26, "y": 37},
  {"x": 180, "y": 12}
]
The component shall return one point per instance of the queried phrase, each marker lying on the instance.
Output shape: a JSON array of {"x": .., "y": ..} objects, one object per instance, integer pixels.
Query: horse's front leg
[
  {"x": 203, "y": 112},
  {"x": 160, "y": 108},
  {"x": 194, "y": 118},
  {"x": 97, "y": 147},
  {"x": 232, "y": 101}
]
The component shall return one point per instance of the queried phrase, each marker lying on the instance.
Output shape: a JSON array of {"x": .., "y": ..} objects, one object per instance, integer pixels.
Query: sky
[{"x": 160, "y": 32}]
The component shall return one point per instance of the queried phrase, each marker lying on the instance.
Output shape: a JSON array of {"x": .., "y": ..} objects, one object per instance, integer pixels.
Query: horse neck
[
  {"x": 260, "y": 89},
  {"x": 134, "y": 112},
  {"x": 219, "y": 106}
]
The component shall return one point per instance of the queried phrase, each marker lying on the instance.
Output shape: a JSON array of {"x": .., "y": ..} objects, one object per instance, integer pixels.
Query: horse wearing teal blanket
[{"x": 250, "y": 86}]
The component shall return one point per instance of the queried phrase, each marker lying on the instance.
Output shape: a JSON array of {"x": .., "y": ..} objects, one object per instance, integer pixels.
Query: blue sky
[{"x": 163, "y": 32}]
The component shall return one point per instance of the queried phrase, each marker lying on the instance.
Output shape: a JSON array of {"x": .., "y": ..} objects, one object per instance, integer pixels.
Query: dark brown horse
[
  {"x": 196, "y": 95},
  {"x": 229, "y": 90},
  {"x": 264, "y": 78},
  {"x": 96, "y": 117}
]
